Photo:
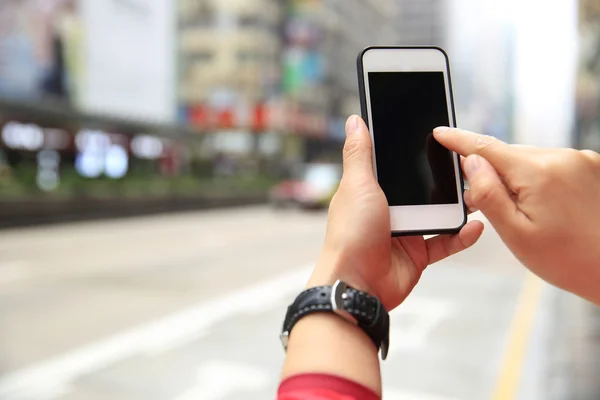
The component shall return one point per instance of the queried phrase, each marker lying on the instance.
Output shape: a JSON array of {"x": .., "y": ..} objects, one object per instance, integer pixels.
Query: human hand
[
  {"x": 358, "y": 247},
  {"x": 544, "y": 203}
]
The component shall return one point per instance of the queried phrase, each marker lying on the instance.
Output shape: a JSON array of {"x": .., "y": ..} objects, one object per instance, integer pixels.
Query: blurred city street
[
  {"x": 150, "y": 151},
  {"x": 189, "y": 306}
]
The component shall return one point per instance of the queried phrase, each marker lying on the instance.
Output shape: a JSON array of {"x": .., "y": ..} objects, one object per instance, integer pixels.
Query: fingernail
[
  {"x": 352, "y": 124},
  {"x": 440, "y": 130},
  {"x": 472, "y": 165}
]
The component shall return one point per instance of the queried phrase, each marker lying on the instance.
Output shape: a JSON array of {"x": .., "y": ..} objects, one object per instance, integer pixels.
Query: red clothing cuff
[{"x": 323, "y": 387}]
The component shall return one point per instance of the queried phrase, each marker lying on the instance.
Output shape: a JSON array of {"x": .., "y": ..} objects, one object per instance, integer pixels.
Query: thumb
[
  {"x": 358, "y": 149},
  {"x": 489, "y": 194}
]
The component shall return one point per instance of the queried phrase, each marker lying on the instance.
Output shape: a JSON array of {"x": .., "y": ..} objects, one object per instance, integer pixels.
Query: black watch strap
[{"x": 355, "y": 306}]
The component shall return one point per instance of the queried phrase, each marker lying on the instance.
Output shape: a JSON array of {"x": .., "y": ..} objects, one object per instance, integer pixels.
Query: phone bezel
[{"x": 422, "y": 219}]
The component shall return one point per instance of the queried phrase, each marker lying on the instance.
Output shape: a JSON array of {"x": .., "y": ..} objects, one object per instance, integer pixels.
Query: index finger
[{"x": 503, "y": 157}]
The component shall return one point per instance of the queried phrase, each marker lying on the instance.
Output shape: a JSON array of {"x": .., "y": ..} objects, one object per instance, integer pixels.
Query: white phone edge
[{"x": 423, "y": 219}]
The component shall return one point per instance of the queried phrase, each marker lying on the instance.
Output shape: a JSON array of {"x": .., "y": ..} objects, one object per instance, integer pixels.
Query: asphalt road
[{"x": 189, "y": 306}]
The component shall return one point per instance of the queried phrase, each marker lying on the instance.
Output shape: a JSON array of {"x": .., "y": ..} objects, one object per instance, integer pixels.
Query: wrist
[
  {"x": 332, "y": 266},
  {"x": 358, "y": 309},
  {"x": 325, "y": 343}
]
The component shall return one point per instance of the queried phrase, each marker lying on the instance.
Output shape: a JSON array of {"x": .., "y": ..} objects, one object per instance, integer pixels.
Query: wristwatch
[{"x": 356, "y": 307}]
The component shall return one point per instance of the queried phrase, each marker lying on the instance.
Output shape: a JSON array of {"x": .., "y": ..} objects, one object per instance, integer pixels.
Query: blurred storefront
[
  {"x": 229, "y": 78},
  {"x": 73, "y": 102},
  {"x": 88, "y": 110}
]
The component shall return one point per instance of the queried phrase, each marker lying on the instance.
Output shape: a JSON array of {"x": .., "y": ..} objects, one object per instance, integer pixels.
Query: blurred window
[
  {"x": 199, "y": 14},
  {"x": 244, "y": 56},
  {"x": 251, "y": 21},
  {"x": 202, "y": 56}
]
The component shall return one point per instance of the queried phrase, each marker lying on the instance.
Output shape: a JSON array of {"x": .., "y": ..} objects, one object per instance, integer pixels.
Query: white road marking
[
  {"x": 425, "y": 314},
  {"x": 45, "y": 391},
  {"x": 395, "y": 394},
  {"x": 60, "y": 371},
  {"x": 218, "y": 379},
  {"x": 164, "y": 346}
]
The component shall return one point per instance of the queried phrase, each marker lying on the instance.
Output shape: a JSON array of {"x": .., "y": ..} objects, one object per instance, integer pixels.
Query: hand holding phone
[
  {"x": 358, "y": 248},
  {"x": 406, "y": 93}
]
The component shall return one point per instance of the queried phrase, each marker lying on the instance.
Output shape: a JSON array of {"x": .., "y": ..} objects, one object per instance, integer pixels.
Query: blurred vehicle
[{"x": 313, "y": 188}]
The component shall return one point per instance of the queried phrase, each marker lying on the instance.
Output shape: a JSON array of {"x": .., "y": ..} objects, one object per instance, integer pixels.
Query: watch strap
[{"x": 355, "y": 306}]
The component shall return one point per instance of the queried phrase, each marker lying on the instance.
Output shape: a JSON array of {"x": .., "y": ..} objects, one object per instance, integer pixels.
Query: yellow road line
[{"x": 507, "y": 385}]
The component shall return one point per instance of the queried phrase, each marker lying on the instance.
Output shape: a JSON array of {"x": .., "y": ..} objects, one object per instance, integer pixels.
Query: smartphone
[{"x": 405, "y": 93}]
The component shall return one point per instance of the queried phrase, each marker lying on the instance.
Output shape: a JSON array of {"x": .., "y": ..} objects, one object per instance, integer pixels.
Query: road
[{"x": 189, "y": 306}]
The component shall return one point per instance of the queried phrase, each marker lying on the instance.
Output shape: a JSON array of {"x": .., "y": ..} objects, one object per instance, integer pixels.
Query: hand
[
  {"x": 359, "y": 248},
  {"x": 544, "y": 203}
]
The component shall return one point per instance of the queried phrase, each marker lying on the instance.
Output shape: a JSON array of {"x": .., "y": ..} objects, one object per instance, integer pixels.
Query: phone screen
[{"x": 412, "y": 167}]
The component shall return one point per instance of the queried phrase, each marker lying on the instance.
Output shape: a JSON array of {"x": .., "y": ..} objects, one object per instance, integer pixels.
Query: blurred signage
[
  {"x": 116, "y": 162},
  {"x": 253, "y": 117},
  {"x": 33, "y": 137},
  {"x": 306, "y": 123},
  {"x": 270, "y": 144},
  {"x": 198, "y": 116},
  {"x": 301, "y": 31},
  {"x": 147, "y": 147},
  {"x": 48, "y": 172},
  {"x": 100, "y": 153},
  {"x": 302, "y": 69},
  {"x": 40, "y": 49},
  {"x": 112, "y": 57},
  {"x": 129, "y": 58},
  {"x": 303, "y": 62},
  {"x": 23, "y": 136},
  {"x": 231, "y": 142}
]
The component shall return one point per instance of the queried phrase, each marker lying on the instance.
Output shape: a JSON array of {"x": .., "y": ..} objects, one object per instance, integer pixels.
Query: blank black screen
[{"x": 412, "y": 167}]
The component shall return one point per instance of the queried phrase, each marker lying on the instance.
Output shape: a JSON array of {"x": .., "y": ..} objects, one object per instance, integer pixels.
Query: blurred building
[
  {"x": 423, "y": 22},
  {"x": 343, "y": 28},
  {"x": 284, "y": 66},
  {"x": 229, "y": 61},
  {"x": 587, "y": 122},
  {"x": 504, "y": 84}
]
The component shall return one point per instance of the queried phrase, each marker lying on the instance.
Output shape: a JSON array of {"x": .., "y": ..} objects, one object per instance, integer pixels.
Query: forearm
[{"x": 325, "y": 343}]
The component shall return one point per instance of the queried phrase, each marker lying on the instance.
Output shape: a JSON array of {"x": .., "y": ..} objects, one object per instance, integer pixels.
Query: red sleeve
[{"x": 323, "y": 387}]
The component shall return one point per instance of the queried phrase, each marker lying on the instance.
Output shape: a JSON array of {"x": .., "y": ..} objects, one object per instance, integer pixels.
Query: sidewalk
[{"x": 574, "y": 370}]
